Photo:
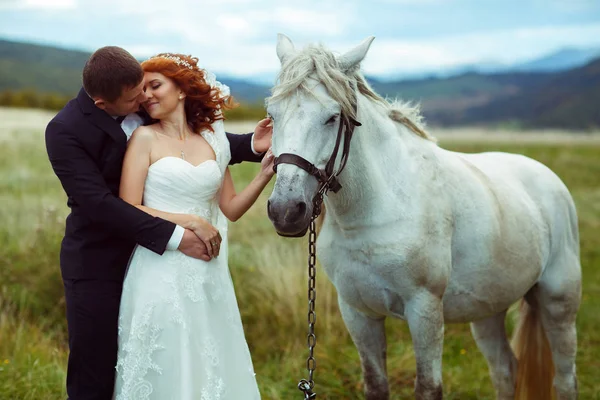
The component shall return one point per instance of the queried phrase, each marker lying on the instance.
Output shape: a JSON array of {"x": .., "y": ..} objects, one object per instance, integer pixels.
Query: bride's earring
[{"x": 180, "y": 97}]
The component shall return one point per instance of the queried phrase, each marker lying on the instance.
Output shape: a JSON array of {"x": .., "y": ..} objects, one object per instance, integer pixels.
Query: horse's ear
[
  {"x": 353, "y": 57},
  {"x": 285, "y": 47}
]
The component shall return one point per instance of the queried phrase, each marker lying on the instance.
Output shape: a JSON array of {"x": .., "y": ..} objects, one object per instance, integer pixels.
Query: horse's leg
[
  {"x": 558, "y": 294},
  {"x": 491, "y": 339},
  {"x": 368, "y": 335},
  {"x": 425, "y": 317}
]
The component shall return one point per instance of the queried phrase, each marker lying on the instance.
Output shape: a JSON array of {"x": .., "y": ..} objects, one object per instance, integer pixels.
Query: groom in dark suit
[{"x": 86, "y": 146}]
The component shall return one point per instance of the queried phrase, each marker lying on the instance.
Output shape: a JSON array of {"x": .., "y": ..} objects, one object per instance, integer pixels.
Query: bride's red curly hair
[{"x": 203, "y": 103}]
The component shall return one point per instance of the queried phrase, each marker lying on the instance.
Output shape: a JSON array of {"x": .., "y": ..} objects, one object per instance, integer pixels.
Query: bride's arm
[
  {"x": 233, "y": 204},
  {"x": 133, "y": 177}
]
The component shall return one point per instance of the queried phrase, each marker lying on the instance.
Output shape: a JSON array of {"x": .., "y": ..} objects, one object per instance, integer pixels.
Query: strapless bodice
[{"x": 177, "y": 186}]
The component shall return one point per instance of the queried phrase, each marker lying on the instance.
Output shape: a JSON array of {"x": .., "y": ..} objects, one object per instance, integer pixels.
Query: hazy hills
[{"x": 539, "y": 93}]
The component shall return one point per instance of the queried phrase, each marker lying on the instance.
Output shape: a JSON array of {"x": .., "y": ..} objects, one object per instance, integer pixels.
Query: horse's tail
[{"x": 535, "y": 370}]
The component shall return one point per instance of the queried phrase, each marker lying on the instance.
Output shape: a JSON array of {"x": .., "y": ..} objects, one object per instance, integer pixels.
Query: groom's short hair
[{"x": 110, "y": 70}]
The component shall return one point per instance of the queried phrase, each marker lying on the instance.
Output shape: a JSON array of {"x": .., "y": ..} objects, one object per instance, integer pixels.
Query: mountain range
[{"x": 558, "y": 90}]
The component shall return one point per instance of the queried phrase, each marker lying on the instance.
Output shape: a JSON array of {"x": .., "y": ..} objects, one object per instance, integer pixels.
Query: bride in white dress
[{"x": 180, "y": 331}]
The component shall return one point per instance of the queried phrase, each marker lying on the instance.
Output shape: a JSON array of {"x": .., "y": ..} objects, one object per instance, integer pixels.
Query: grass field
[{"x": 269, "y": 274}]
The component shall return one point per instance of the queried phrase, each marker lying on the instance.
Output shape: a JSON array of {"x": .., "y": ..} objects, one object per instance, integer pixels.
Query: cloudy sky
[{"x": 237, "y": 37}]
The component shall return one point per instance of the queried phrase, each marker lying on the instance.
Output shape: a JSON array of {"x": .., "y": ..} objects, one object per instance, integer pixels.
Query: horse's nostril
[{"x": 301, "y": 208}]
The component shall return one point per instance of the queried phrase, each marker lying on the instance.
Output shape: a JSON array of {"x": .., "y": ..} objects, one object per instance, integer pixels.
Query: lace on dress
[{"x": 180, "y": 330}]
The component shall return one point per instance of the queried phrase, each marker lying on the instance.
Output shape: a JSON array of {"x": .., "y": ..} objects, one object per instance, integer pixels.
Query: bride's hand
[
  {"x": 207, "y": 233},
  {"x": 263, "y": 133},
  {"x": 266, "y": 164}
]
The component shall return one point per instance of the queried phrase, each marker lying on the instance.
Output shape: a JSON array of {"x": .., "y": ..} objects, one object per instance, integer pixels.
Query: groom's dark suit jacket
[{"x": 86, "y": 149}]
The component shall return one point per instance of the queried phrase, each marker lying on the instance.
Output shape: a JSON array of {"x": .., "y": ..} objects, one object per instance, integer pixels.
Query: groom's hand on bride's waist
[{"x": 193, "y": 246}]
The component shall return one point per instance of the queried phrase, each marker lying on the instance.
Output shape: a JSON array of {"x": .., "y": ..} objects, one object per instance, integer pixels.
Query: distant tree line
[
  {"x": 247, "y": 111},
  {"x": 30, "y": 98}
]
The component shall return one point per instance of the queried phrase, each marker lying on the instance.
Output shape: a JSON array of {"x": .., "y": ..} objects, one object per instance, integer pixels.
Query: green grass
[{"x": 269, "y": 273}]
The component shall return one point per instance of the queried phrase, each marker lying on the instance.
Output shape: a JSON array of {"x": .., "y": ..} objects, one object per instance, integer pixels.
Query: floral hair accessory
[
  {"x": 209, "y": 77},
  {"x": 177, "y": 60}
]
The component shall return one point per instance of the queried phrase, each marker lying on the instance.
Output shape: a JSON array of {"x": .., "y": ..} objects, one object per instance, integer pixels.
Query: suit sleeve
[
  {"x": 83, "y": 182},
  {"x": 241, "y": 148}
]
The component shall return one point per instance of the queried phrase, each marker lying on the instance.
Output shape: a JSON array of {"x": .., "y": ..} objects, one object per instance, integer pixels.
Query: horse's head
[{"x": 316, "y": 92}]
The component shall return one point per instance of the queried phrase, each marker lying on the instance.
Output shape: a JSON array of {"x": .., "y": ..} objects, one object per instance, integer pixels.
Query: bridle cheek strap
[{"x": 326, "y": 177}]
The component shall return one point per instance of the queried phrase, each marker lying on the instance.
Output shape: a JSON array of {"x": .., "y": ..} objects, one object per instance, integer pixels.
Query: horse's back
[
  {"x": 512, "y": 214},
  {"x": 545, "y": 189},
  {"x": 535, "y": 177}
]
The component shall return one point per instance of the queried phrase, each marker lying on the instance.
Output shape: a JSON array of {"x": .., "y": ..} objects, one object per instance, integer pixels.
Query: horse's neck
[{"x": 382, "y": 170}]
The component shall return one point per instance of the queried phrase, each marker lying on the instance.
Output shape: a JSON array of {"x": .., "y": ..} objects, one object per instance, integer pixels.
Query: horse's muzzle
[{"x": 289, "y": 217}]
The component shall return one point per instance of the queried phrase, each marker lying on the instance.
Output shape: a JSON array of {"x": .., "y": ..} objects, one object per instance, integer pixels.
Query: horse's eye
[
  {"x": 331, "y": 120},
  {"x": 270, "y": 117}
]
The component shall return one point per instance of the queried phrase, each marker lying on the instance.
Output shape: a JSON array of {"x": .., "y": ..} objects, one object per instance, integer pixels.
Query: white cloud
[
  {"x": 7, "y": 4},
  {"x": 236, "y": 27},
  {"x": 143, "y": 51},
  {"x": 389, "y": 55},
  {"x": 243, "y": 61},
  {"x": 234, "y": 36},
  {"x": 239, "y": 36},
  {"x": 50, "y": 3},
  {"x": 571, "y": 6},
  {"x": 38, "y": 4},
  {"x": 411, "y": 2},
  {"x": 507, "y": 46},
  {"x": 243, "y": 22},
  {"x": 316, "y": 22}
]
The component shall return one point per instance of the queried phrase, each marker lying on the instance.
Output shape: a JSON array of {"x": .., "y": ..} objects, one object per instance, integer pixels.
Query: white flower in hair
[
  {"x": 176, "y": 59},
  {"x": 211, "y": 79}
]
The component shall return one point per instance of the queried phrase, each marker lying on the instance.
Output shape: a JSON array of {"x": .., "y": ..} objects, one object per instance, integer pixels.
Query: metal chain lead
[{"x": 307, "y": 385}]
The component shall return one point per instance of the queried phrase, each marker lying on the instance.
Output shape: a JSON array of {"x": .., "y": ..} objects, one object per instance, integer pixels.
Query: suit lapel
[{"x": 100, "y": 118}]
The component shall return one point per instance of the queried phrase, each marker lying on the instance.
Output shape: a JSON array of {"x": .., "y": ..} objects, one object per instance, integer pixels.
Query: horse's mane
[{"x": 315, "y": 59}]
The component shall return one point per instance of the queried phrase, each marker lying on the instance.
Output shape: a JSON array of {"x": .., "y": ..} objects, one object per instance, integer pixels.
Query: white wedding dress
[{"x": 180, "y": 332}]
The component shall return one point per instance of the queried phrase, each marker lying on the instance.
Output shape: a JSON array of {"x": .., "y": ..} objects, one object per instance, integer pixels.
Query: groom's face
[{"x": 129, "y": 101}]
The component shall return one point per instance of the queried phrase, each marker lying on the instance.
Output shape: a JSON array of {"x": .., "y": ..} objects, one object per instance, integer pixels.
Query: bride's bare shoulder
[
  {"x": 143, "y": 137},
  {"x": 144, "y": 132}
]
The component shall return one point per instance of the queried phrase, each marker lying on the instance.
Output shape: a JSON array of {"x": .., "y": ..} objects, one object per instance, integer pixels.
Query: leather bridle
[
  {"x": 328, "y": 180},
  {"x": 326, "y": 177}
]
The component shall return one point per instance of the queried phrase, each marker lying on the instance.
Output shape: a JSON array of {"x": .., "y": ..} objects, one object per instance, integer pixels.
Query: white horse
[{"x": 425, "y": 234}]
